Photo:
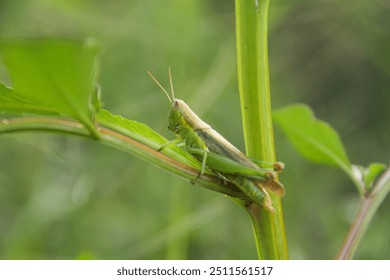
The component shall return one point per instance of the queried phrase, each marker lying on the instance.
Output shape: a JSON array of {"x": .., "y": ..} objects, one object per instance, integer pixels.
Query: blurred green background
[{"x": 63, "y": 197}]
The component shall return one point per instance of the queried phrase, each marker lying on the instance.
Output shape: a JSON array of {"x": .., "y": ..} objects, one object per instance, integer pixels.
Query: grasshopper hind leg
[{"x": 202, "y": 171}]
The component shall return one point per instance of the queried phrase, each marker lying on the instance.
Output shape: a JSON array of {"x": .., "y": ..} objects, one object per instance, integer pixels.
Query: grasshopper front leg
[{"x": 172, "y": 142}]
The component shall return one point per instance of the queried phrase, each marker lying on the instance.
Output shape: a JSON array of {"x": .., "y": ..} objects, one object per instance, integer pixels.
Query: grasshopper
[{"x": 219, "y": 155}]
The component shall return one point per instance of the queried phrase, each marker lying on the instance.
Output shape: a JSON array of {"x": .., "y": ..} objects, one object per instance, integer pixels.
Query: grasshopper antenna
[
  {"x": 170, "y": 81},
  {"x": 155, "y": 80}
]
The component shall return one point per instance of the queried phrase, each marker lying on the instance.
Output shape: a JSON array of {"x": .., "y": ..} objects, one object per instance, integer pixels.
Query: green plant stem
[
  {"x": 117, "y": 140},
  {"x": 368, "y": 206},
  {"x": 254, "y": 87}
]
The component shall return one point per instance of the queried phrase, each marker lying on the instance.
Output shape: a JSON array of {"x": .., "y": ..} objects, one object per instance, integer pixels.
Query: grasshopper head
[
  {"x": 183, "y": 121},
  {"x": 177, "y": 123}
]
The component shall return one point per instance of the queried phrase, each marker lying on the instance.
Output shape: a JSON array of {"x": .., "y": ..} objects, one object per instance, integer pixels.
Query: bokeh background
[{"x": 63, "y": 197}]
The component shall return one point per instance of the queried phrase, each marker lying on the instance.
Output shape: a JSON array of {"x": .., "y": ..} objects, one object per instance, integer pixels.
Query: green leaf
[
  {"x": 314, "y": 139},
  {"x": 14, "y": 103},
  {"x": 53, "y": 73},
  {"x": 145, "y": 135}
]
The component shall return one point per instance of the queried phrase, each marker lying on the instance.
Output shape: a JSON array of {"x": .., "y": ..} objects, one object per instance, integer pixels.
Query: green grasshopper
[{"x": 219, "y": 155}]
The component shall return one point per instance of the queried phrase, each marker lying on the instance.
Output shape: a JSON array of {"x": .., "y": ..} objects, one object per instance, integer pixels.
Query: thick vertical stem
[{"x": 254, "y": 87}]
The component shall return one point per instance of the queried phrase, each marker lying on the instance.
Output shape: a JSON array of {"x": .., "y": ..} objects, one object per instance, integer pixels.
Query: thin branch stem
[
  {"x": 367, "y": 208},
  {"x": 118, "y": 140}
]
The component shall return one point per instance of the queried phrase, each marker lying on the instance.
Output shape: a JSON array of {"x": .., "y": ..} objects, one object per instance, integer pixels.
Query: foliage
[{"x": 59, "y": 191}]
